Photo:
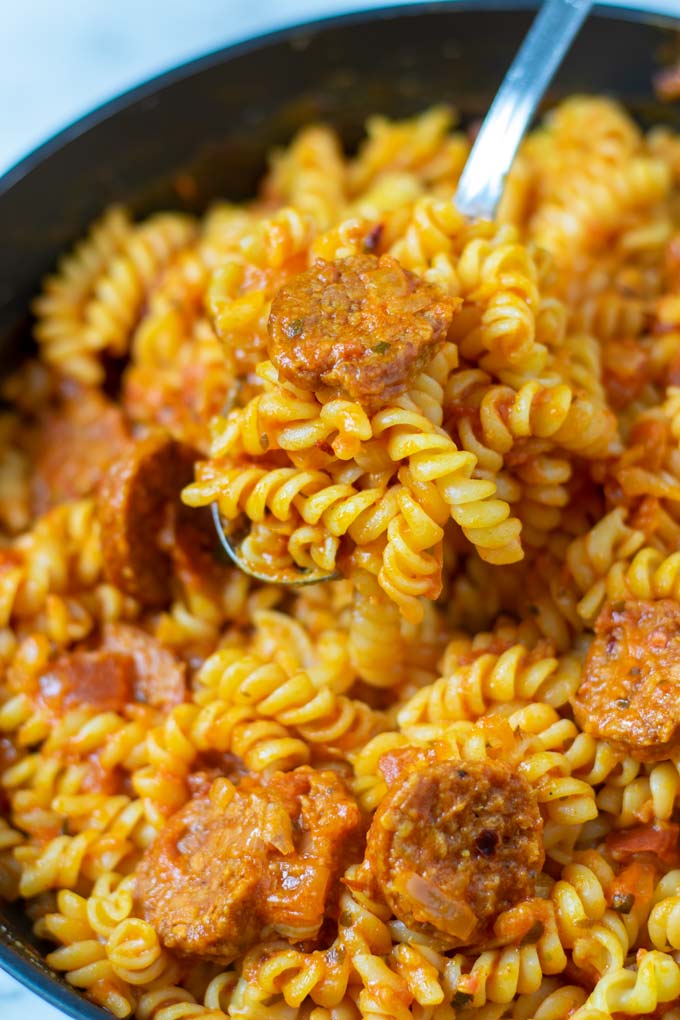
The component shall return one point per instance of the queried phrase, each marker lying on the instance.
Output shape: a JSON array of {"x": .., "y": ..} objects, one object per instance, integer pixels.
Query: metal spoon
[
  {"x": 483, "y": 179},
  {"x": 481, "y": 184}
]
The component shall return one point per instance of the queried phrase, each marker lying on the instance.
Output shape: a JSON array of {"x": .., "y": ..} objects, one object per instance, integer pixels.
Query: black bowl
[{"x": 218, "y": 116}]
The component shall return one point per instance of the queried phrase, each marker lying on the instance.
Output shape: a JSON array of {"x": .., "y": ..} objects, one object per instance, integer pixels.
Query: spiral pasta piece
[
  {"x": 664, "y": 916},
  {"x": 318, "y": 714},
  {"x": 598, "y": 937},
  {"x": 470, "y": 690},
  {"x": 63, "y": 307},
  {"x": 434, "y": 457},
  {"x": 634, "y": 993}
]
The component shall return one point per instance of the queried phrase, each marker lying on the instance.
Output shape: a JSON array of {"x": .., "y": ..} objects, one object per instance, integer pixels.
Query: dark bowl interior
[{"x": 217, "y": 117}]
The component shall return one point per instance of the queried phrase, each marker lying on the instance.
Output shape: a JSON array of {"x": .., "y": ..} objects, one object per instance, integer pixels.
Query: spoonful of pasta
[{"x": 348, "y": 338}]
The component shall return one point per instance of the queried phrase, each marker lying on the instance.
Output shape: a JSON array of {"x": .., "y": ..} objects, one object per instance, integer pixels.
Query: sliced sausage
[
  {"x": 194, "y": 551},
  {"x": 73, "y": 447},
  {"x": 102, "y": 680},
  {"x": 455, "y": 844},
  {"x": 135, "y": 497},
  {"x": 363, "y": 326},
  {"x": 218, "y": 879},
  {"x": 630, "y": 691},
  {"x": 158, "y": 677},
  {"x": 667, "y": 83}
]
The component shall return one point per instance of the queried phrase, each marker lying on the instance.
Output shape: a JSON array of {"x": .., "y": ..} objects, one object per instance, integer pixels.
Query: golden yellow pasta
[{"x": 443, "y": 784}]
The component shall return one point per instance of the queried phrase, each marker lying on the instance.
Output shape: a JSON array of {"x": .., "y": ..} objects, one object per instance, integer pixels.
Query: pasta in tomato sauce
[{"x": 444, "y": 784}]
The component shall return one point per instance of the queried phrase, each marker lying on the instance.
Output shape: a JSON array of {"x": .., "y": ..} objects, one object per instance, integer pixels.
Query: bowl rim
[
  {"x": 46, "y": 986},
  {"x": 34, "y": 975},
  {"x": 178, "y": 72}
]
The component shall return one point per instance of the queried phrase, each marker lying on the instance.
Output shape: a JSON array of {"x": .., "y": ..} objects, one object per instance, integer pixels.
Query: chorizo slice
[
  {"x": 667, "y": 83},
  {"x": 158, "y": 678},
  {"x": 73, "y": 446},
  {"x": 221, "y": 876},
  {"x": 455, "y": 844},
  {"x": 630, "y": 691},
  {"x": 363, "y": 326},
  {"x": 134, "y": 499},
  {"x": 195, "y": 553},
  {"x": 102, "y": 680}
]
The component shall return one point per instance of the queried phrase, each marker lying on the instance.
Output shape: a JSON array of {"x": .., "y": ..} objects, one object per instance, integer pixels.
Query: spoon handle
[{"x": 483, "y": 179}]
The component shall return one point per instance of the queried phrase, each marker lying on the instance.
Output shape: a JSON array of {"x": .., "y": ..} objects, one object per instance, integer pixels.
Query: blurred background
[{"x": 61, "y": 59}]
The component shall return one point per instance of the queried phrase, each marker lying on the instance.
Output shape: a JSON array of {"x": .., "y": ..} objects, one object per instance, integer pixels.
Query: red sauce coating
[
  {"x": 659, "y": 840},
  {"x": 217, "y": 879},
  {"x": 625, "y": 371}
]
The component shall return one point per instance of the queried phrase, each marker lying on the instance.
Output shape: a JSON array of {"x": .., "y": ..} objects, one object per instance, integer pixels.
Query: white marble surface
[{"x": 60, "y": 58}]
